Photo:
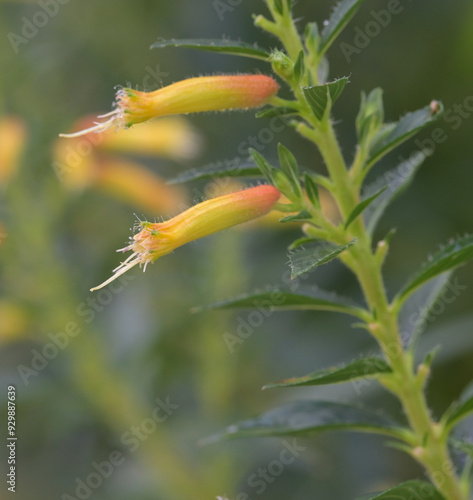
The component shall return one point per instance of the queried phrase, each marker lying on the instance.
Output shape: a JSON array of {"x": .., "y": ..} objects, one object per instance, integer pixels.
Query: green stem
[{"x": 430, "y": 447}]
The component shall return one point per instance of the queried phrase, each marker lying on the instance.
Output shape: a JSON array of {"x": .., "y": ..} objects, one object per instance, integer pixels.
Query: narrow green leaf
[
  {"x": 361, "y": 368},
  {"x": 299, "y": 67},
  {"x": 312, "y": 38},
  {"x": 415, "y": 312},
  {"x": 306, "y": 418},
  {"x": 370, "y": 118},
  {"x": 302, "y": 241},
  {"x": 340, "y": 17},
  {"x": 409, "y": 490},
  {"x": 300, "y": 217},
  {"x": 312, "y": 190},
  {"x": 275, "y": 111},
  {"x": 290, "y": 168},
  {"x": 362, "y": 205},
  {"x": 321, "y": 252},
  {"x": 320, "y": 97},
  {"x": 396, "y": 181},
  {"x": 279, "y": 6},
  {"x": 406, "y": 127},
  {"x": 215, "y": 45},
  {"x": 231, "y": 168},
  {"x": 461, "y": 409},
  {"x": 265, "y": 168},
  {"x": 456, "y": 253},
  {"x": 285, "y": 299}
]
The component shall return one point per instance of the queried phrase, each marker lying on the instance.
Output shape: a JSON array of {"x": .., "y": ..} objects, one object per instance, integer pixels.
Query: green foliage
[
  {"x": 307, "y": 418},
  {"x": 318, "y": 253},
  {"x": 358, "y": 210},
  {"x": 281, "y": 299},
  {"x": 275, "y": 111},
  {"x": 454, "y": 254},
  {"x": 361, "y": 368},
  {"x": 394, "y": 182},
  {"x": 299, "y": 67},
  {"x": 311, "y": 190},
  {"x": 406, "y": 491},
  {"x": 229, "y": 47},
  {"x": 290, "y": 168},
  {"x": 461, "y": 409},
  {"x": 264, "y": 167},
  {"x": 414, "y": 314},
  {"x": 302, "y": 216},
  {"x": 322, "y": 97},
  {"x": 231, "y": 168},
  {"x": 371, "y": 116},
  {"x": 392, "y": 135},
  {"x": 340, "y": 17}
]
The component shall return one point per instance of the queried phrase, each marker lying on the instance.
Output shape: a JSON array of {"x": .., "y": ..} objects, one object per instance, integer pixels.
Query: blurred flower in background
[
  {"x": 107, "y": 161},
  {"x": 12, "y": 143}
]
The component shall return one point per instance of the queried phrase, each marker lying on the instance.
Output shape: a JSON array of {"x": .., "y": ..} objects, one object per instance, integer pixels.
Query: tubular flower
[
  {"x": 194, "y": 95},
  {"x": 158, "y": 239}
]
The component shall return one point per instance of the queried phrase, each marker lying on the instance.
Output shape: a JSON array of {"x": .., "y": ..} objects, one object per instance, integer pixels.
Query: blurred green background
[{"x": 142, "y": 342}]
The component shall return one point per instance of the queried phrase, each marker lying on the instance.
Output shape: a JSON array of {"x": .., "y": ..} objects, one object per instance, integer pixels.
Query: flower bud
[
  {"x": 158, "y": 239},
  {"x": 194, "y": 95}
]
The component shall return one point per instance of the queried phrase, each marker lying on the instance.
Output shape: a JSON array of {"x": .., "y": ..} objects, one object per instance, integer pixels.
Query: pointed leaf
[
  {"x": 371, "y": 115},
  {"x": 300, "y": 217},
  {"x": 215, "y": 45},
  {"x": 456, "y": 253},
  {"x": 283, "y": 299},
  {"x": 406, "y": 127},
  {"x": 275, "y": 111},
  {"x": 290, "y": 168},
  {"x": 396, "y": 181},
  {"x": 461, "y": 409},
  {"x": 340, "y": 17},
  {"x": 308, "y": 418},
  {"x": 362, "y": 205},
  {"x": 361, "y": 368},
  {"x": 312, "y": 190},
  {"x": 299, "y": 67},
  {"x": 302, "y": 241},
  {"x": 407, "y": 491},
  {"x": 318, "y": 95},
  {"x": 231, "y": 168},
  {"x": 264, "y": 167},
  {"x": 414, "y": 314},
  {"x": 320, "y": 252}
]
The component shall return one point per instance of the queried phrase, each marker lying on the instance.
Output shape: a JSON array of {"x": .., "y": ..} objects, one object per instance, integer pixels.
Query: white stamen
[
  {"x": 123, "y": 270},
  {"x": 108, "y": 114},
  {"x": 116, "y": 118}
]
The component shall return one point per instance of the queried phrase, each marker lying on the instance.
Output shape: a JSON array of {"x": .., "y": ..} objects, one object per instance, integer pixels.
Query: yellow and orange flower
[
  {"x": 193, "y": 95},
  {"x": 158, "y": 239}
]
